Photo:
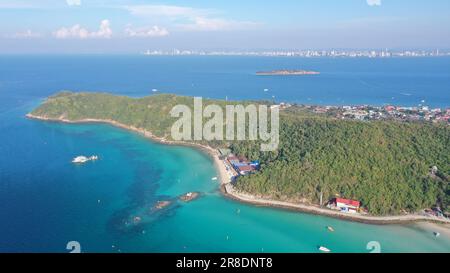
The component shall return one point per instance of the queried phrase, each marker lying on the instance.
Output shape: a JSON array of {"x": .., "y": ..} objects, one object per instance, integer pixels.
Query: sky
[{"x": 133, "y": 26}]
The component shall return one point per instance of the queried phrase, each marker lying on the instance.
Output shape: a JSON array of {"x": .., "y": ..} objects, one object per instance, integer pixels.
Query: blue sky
[{"x": 72, "y": 26}]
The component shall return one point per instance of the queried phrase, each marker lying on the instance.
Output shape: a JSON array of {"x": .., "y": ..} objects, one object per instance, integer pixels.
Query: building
[
  {"x": 245, "y": 169},
  {"x": 345, "y": 205},
  {"x": 233, "y": 159},
  {"x": 389, "y": 108},
  {"x": 241, "y": 165}
]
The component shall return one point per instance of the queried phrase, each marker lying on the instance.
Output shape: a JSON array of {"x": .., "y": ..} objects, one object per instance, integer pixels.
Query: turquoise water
[{"x": 47, "y": 201}]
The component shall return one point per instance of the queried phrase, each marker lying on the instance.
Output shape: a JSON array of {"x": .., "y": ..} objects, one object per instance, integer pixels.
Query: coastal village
[
  {"x": 388, "y": 112},
  {"x": 420, "y": 113}
]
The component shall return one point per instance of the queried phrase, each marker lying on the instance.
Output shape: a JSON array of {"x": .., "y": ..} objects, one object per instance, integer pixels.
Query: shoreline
[
  {"x": 229, "y": 192},
  {"x": 316, "y": 210}
]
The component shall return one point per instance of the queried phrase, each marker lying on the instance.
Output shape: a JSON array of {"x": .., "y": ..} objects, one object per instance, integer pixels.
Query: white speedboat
[
  {"x": 83, "y": 159},
  {"x": 324, "y": 249},
  {"x": 80, "y": 159},
  {"x": 214, "y": 178},
  {"x": 436, "y": 234}
]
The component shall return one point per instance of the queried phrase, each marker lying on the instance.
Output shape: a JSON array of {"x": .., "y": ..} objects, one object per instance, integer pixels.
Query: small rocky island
[
  {"x": 162, "y": 204},
  {"x": 190, "y": 196},
  {"x": 286, "y": 72}
]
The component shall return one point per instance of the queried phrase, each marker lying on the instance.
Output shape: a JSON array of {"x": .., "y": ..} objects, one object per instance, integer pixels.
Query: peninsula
[
  {"x": 398, "y": 171},
  {"x": 285, "y": 72}
]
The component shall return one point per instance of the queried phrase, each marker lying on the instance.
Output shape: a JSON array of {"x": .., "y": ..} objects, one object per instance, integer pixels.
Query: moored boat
[{"x": 324, "y": 249}]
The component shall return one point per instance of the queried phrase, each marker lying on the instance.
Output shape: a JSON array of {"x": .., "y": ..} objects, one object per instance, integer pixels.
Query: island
[
  {"x": 190, "y": 196},
  {"x": 286, "y": 72},
  {"x": 388, "y": 171},
  {"x": 162, "y": 204}
]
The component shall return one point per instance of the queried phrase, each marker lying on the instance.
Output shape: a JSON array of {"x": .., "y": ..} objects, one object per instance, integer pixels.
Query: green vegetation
[{"x": 386, "y": 165}]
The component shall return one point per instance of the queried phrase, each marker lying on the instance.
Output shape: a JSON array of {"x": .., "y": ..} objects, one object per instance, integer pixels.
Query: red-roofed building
[
  {"x": 345, "y": 205},
  {"x": 389, "y": 108},
  {"x": 246, "y": 169},
  {"x": 243, "y": 159},
  {"x": 347, "y": 202},
  {"x": 233, "y": 160}
]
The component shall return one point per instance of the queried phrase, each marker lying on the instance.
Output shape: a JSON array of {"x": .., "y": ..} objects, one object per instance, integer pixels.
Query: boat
[
  {"x": 330, "y": 228},
  {"x": 80, "y": 159},
  {"x": 83, "y": 159},
  {"x": 214, "y": 178},
  {"x": 324, "y": 249},
  {"x": 436, "y": 234},
  {"x": 154, "y": 90},
  {"x": 137, "y": 220}
]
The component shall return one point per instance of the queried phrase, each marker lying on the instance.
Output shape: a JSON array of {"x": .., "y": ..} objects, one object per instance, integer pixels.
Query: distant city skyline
[
  {"x": 134, "y": 26},
  {"x": 350, "y": 53}
]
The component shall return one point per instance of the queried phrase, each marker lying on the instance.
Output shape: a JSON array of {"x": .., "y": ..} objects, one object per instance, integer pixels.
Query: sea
[{"x": 108, "y": 205}]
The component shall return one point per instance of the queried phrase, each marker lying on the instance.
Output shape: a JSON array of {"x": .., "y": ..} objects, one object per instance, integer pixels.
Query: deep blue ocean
[{"x": 47, "y": 201}]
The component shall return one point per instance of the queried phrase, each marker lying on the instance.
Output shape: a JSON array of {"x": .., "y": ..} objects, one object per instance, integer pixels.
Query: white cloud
[
  {"x": 187, "y": 18},
  {"x": 216, "y": 24},
  {"x": 78, "y": 32},
  {"x": 73, "y": 2},
  {"x": 154, "y": 31},
  {"x": 374, "y": 2}
]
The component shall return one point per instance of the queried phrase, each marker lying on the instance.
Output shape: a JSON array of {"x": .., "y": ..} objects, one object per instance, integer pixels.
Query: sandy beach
[{"x": 227, "y": 189}]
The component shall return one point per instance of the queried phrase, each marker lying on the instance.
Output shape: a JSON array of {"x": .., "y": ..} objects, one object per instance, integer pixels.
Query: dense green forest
[{"x": 384, "y": 164}]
